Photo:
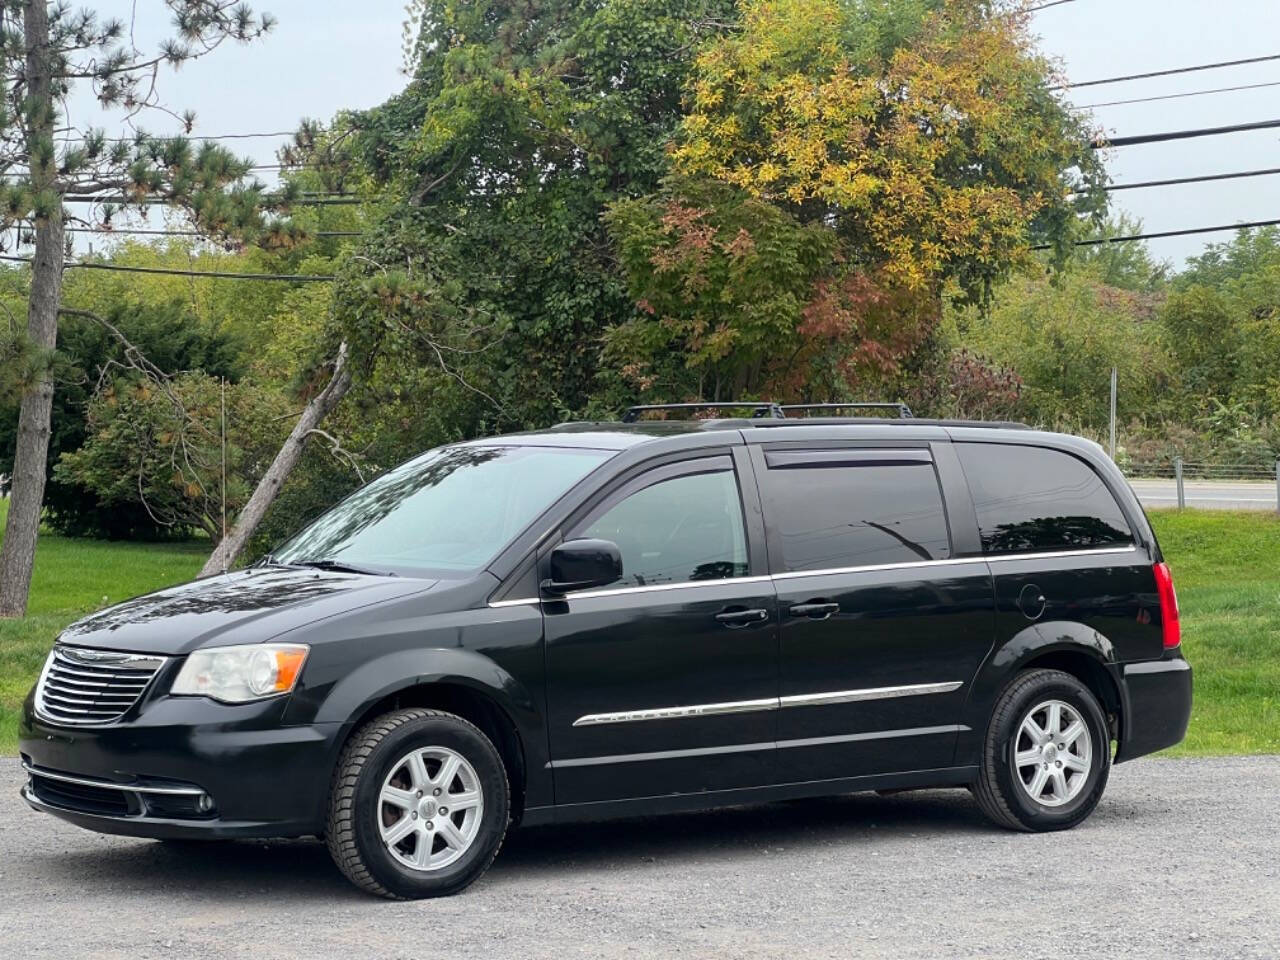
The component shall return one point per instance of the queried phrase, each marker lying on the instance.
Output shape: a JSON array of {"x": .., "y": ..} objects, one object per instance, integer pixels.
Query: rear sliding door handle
[
  {"x": 740, "y": 618},
  {"x": 816, "y": 610}
]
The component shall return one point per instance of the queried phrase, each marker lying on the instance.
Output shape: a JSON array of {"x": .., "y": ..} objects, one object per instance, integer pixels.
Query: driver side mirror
[{"x": 582, "y": 564}]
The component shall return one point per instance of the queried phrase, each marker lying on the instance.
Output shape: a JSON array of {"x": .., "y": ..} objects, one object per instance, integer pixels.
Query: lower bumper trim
[
  {"x": 33, "y": 771},
  {"x": 159, "y": 828}
]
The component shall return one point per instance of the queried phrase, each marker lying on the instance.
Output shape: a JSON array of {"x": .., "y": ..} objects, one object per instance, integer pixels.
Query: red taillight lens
[{"x": 1168, "y": 606}]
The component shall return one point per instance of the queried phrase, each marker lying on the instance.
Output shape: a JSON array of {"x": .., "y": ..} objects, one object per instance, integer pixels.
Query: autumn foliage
[{"x": 841, "y": 167}]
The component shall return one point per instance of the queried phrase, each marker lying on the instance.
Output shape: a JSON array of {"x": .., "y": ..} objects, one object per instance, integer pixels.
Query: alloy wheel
[
  {"x": 430, "y": 808},
  {"x": 1053, "y": 753}
]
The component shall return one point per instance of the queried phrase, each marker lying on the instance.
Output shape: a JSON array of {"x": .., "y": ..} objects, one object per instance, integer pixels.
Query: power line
[
  {"x": 1183, "y": 134},
  {"x": 301, "y": 277},
  {"x": 216, "y": 275},
  {"x": 107, "y": 231},
  {"x": 1098, "y": 241},
  {"x": 1166, "y": 73},
  {"x": 212, "y": 136},
  {"x": 1046, "y": 6},
  {"x": 1205, "y": 178},
  {"x": 317, "y": 201},
  {"x": 1178, "y": 96}
]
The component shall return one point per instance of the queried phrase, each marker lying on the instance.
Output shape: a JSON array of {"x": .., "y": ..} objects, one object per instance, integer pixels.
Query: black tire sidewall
[
  {"x": 434, "y": 731},
  {"x": 1031, "y": 814}
]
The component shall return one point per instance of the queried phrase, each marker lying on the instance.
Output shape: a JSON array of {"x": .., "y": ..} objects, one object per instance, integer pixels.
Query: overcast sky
[
  {"x": 1096, "y": 39},
  {"x": 326, "y": 55}
]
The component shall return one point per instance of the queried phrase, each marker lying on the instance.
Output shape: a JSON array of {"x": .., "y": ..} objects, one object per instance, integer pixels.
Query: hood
[{"x": 250, "y": 606}]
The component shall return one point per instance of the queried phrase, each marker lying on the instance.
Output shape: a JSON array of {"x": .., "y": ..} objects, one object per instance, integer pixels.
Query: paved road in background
[
  {"x": 1208, "y": 494},
  {"x": 1181, "y": 859}
]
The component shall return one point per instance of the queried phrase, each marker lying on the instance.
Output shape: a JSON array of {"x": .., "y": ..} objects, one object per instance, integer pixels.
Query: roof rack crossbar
[
  {"x": 900, "y": 408},
  {"x": 760, "y": 409}
]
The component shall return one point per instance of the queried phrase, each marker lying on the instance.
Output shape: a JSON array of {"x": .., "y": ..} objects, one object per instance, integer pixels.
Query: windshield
[{"x": 450, "y": 510}]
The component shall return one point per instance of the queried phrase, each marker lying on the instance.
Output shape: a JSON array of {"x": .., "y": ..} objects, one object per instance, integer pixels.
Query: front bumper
[
  {"x": 1157, "y": 706},
  {"x": 144, "y": 777}
]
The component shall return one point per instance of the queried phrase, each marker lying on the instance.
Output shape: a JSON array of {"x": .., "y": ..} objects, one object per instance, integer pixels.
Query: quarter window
[
  {"x": 1031, "y": 499},
  {"x": 851, "y": 514},
  {"x": 686, "y": 528}
]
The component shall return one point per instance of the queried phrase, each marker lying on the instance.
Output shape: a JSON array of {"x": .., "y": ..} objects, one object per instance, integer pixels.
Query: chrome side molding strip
[
  {"x": 770, "y": 703},
  {"x": 651, "y": 587},
  {"x": 956, "y": 561},
  {"x": 676, "y": 713},
  {"x": 522, "y": 602},
  {"x": 871, "y": 693},
  {"x": 797, "y": 574}
]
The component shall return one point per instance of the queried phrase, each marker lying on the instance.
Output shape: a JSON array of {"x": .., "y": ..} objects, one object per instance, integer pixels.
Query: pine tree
[{"x": 46, "y": 50}]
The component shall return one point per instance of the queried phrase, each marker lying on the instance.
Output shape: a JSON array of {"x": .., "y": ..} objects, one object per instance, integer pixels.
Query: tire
[
  {"x": 1013, "y": 758},
  {"x": 377, "y": 787}
]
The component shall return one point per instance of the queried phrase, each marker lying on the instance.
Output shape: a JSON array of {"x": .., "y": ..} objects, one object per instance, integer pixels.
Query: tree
[
  {"x": 1125, "y": 266},
  {"x": 183, "y": 448},
  {"x": 478, "y": 298},
  {"x": 921, "y": 138},
  {"x": 1203, "y": 333},
  {"x": 45, "y": 50},
  {"x": 90, "y": 357},
  {"x": 1062, "y": 339}
]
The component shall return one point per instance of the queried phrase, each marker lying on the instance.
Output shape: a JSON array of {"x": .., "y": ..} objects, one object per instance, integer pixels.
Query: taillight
[{"x": 1168, "y": 606}]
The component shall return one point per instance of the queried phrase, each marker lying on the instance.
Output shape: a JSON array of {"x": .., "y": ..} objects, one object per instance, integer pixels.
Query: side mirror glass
[{"x": 582, "y": 564}]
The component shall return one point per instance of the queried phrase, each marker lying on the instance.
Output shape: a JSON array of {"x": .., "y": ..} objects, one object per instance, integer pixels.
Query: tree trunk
[
  {"x": 18, "y": 553},
  {"x": 321, "y": 405}
]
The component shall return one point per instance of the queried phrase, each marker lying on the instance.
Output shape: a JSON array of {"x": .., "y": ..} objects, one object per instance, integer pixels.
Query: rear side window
[
  {"x": 855, "y": 513},
  {"x": 1030, "y": 499}
]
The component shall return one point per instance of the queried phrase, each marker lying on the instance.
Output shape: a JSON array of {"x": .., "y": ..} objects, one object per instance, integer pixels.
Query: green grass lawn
[
  {"x": 1226, "y": 567},
  {"x": 73, "y": 577}
]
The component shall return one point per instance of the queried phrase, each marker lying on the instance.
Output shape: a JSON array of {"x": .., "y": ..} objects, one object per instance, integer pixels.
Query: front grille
[{"x": 81, "y": 686}]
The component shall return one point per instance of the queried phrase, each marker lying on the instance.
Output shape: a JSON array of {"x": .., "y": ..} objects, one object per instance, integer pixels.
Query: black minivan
[{"x": 619, "y": 619}]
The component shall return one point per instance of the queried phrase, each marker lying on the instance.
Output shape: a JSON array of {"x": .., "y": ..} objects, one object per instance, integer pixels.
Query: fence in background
[{"x": 1181, "y": 472}]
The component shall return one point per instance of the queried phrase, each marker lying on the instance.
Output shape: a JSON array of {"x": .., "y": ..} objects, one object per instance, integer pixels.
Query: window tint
[
  {"x": 1032, "y": 499},
  {"x": 685, "y": 528},
  {"x": 857, "y": 515},
  {"x": 451, "y": 509}
]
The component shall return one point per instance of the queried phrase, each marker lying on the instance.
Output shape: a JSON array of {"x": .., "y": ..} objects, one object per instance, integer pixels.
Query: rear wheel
[
  {"x": 419, "y": 805},
  {"x": 1047, "y": 753}
]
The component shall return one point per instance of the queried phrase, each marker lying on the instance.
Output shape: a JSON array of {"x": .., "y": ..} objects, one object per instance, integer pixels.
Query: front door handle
[
  {"x": 815, "y": 610},
  {"x": 740, "y": 617}
]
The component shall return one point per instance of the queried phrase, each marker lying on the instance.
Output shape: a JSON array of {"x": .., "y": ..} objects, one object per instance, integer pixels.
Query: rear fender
[{"x": 1033, "y": 642}]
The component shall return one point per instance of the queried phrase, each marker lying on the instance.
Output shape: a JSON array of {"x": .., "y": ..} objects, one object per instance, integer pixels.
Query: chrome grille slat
[
  {"x": 96, "y": 705},
  {"x": 54, "y": 690},
  {"x": 62, "y": 665},
  {"x": 93, "y": 686},
  {"x": 94, "y": 683}
]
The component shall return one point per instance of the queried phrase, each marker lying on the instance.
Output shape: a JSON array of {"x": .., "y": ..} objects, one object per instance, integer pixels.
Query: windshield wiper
[
  {"x": 269, "y": 560},
  {"x": 340, "y": 566}
]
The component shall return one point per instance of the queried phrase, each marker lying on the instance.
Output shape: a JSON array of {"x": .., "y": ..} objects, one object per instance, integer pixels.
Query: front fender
[
  {"x": 1034, "y": 641},
  {"x": 352, "y": 696},
  {"x": 379, "y": 678}
]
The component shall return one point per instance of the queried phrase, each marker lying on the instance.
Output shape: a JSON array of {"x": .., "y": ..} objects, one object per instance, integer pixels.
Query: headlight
[{"x": 241, "y": 674}]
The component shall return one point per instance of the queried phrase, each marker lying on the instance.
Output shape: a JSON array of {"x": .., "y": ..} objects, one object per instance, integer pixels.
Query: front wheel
[
  {"x": 419, "y": 805},
  {"x": 1047, "y": 753}
]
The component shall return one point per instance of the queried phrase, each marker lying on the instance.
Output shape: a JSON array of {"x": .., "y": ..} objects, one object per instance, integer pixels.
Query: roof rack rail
[
  {"x": 760, "y": 409},
  {"x": 900, "y": 408}
]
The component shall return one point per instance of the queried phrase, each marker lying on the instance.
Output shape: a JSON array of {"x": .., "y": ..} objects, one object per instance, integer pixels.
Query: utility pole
[{"x": 1113, "y": 413}]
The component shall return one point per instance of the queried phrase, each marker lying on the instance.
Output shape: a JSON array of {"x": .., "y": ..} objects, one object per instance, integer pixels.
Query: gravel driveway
[{"x": 1182, "y": 859}]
